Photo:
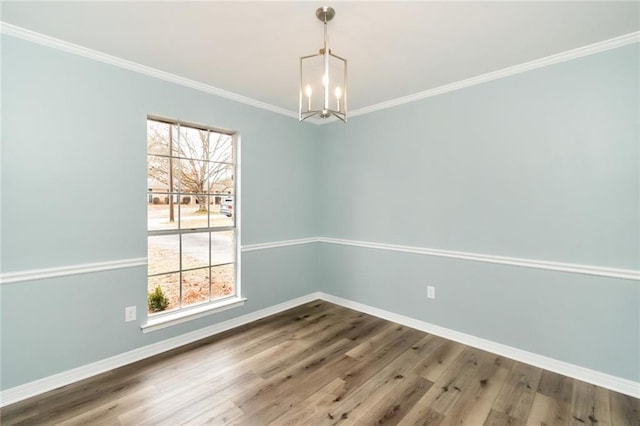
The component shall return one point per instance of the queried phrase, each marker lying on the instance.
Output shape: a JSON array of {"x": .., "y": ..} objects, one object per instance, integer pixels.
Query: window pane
[
  {"x": 195, "y": 286},
  {"x": 194, "y": 211},
  {"x": 222, "y": 281},
  {"x": 193, "y": 176},
  {"x": 192, "y": 143},
  {"x": 157, "y": 173},
  {"x": 220, "y": 148},
  {"x": 195, "y": 250},
  {"x": 162, "y": 174},
  {"x": 223, "y": 214},
  {"x": 161, "y": 214},
  {"x": 158, "y": 137},
  {"x": 170, "y": 287},
  {"x": 222, "y": 247},
  {"x": 220, "y": 179},
  {"x": 174, "y": 136},
  {"x": 190, "y": 186},
  {"x": 164, "y": 253}
]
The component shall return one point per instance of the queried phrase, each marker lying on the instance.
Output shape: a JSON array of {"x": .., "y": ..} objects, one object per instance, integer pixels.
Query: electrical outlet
[
  {"x": 129, "y": 313},
  {"x": 431, "y": 292}
]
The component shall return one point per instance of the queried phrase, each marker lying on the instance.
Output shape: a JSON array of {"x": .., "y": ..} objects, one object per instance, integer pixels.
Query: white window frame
[{"x": 188, "y": 313}]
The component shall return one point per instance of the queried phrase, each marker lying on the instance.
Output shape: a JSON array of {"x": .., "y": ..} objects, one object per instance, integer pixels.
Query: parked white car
[{"x": 226, "y": 208}]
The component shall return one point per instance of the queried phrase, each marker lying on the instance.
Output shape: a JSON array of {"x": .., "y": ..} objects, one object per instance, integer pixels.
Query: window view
[{"x": 190, "y": 216}]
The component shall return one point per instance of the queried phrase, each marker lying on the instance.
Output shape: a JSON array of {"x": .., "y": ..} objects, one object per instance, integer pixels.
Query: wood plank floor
[{"x": 320, "y": 364}]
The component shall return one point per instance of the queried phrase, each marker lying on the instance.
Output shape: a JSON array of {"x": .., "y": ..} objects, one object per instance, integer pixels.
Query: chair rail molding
[
  {"x": 601, "y": 271},
  {"x": 627, "y": 274},
  {"x": 62, "y": 271}
]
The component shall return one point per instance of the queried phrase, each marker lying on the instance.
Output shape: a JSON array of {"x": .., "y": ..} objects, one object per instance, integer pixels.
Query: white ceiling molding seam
[
  {"x": 579, "y": 52},
  {"x": 32, "y": 36}
]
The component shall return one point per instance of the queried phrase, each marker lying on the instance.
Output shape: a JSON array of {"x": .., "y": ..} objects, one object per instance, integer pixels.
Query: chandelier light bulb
[{"x": 308, "y": 91}]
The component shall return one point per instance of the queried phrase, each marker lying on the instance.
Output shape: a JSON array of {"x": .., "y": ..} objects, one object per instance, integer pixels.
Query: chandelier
[{"x": 323, "y": 79}]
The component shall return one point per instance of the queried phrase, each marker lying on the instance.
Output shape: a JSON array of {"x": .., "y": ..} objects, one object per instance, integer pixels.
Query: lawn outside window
[{"x": 192, "y": 245}]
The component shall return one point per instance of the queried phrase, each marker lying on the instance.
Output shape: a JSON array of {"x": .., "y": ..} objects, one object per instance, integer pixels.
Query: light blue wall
[
  {"x": 74, "y": 158},
  {"x": 583, "y": 320},
  {"x": 74, "y": 192},
  {"x": 542, "y": 165}
]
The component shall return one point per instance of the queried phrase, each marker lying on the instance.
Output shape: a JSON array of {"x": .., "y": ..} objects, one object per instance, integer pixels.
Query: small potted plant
[{"x": 157, "y": 301}]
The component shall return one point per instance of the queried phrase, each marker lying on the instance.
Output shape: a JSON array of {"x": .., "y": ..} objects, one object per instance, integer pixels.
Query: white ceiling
[{"x": 394, "y": 49}]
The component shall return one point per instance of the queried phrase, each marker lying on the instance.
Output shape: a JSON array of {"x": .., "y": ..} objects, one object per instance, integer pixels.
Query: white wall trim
[
  {"x": 32, "y": 36},
  {"x": 628, "y": 274},
  {"x": 506, "y": 72},
  {"x": 161, "y": 321},
  {"x": 276, "y": 244},
  {"x": 597, "y": 378},
  {"x": 37, "y": 387},
  {"x": 62, "y": 271},
  {"x": 46, "y": 273}
]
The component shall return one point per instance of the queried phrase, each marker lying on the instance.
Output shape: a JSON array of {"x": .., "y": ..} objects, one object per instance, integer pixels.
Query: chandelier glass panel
[{"x": 323, "y": 79}]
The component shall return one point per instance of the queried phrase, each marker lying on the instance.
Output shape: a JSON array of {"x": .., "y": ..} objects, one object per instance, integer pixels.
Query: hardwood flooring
[{"x": 320, "y": 364}]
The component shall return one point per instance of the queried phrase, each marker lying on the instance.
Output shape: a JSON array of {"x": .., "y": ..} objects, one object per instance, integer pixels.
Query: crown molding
[
  {"x": 32, "y": 36},
  {"x": 506, "y": 72}
]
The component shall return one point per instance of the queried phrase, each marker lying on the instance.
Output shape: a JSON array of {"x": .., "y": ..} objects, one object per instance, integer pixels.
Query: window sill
[{"x": 174, "y": 318}]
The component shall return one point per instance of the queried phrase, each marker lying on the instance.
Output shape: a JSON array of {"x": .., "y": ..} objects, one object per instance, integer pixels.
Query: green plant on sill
[{"x": 157, "y": 300}]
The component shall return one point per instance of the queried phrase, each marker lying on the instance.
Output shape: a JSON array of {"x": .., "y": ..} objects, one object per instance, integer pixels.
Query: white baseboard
[
  {"x": 597, "y": 378},
  {"x": 28, "y": 390},
  {"x": 37, "y": 387}
]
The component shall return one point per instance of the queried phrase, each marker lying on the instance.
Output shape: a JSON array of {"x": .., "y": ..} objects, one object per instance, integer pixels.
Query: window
[{"x": 191, "y": 217}]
